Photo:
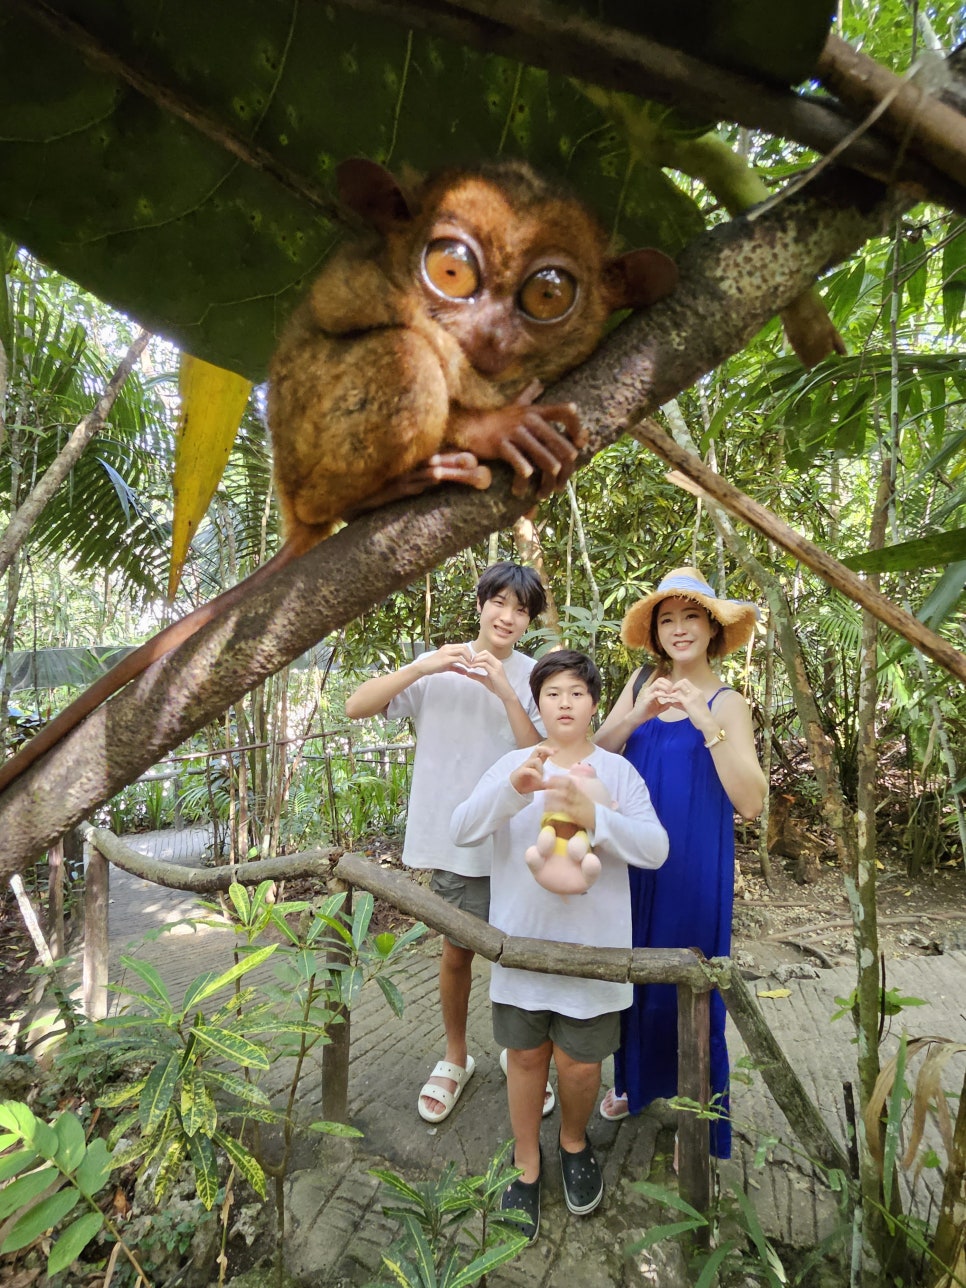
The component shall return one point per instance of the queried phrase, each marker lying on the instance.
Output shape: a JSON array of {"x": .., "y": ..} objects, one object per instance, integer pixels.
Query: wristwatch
[{"x": 720, "y": 736}]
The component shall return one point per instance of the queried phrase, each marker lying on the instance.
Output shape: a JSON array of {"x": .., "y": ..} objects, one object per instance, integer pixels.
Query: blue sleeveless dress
[{"x": 687, "y": 903}]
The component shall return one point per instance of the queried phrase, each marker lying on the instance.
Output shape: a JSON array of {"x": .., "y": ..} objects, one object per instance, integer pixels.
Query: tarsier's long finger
[
  {"x": 522, "y": 467},
  {"x": 567, "y": 415},
  {"x": 472, "y": 475},
  {"x": 528, "y": 395},
  {"x": 543, "y": 446}
]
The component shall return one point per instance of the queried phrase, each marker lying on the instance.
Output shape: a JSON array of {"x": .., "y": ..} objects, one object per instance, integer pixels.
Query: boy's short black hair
[
  {"x": 524, "y": 582},
  {"x": 565, "y": 659}
]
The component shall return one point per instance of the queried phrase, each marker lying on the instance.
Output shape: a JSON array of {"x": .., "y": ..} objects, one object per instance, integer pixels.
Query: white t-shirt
[
  {"x": 498, "y": 813},
  {"x": 461, "y": 729}
]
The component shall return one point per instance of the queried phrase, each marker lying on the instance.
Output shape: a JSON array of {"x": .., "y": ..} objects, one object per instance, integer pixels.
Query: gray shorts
[
  {"x": 586, "y": 1041},
  {"x": 470, "y": 894}
]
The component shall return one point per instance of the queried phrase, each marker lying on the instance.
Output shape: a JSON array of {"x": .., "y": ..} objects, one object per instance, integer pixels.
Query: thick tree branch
[
  {"x": 176, "y": 876},
  {"x": 733, "y": 279},
  {"x": 23, "y": 520},
  {"x": 915, "y": 118}
]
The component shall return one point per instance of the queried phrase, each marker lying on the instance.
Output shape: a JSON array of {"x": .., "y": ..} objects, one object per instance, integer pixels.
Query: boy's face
[
  {"x": 503, "y": 620},
  {"x": 566, "y": 707}
]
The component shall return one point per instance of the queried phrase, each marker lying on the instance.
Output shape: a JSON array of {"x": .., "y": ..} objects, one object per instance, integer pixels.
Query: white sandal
[
  {"x": 549, "y": 1097},
  {"x": 431, "y": 1091}
]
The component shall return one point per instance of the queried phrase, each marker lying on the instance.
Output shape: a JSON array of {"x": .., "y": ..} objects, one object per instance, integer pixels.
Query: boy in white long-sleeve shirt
[{"x": 536, "y": 1016}]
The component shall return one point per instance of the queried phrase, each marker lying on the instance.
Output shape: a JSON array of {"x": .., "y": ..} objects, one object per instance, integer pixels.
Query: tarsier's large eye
[
  {"x": 452, "y": 268},
  {"x": 548, "y": 294}
]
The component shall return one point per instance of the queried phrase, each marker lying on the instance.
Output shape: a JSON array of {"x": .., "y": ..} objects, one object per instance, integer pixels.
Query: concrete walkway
[{"x": 335, "y": 1229}]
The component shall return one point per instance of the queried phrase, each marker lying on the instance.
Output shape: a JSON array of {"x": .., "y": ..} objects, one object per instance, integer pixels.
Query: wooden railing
[{"x": 693, "y": 976}]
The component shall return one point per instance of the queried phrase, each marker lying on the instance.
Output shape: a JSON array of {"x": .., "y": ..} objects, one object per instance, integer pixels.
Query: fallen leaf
[{"x": 775, "y": 992}]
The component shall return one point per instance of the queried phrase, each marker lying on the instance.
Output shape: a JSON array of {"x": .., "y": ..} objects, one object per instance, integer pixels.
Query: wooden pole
[
  {"x": 96, "y": 945},
  {"x": 694, "y": 1083},
  {"x": 55, "y": 899}
]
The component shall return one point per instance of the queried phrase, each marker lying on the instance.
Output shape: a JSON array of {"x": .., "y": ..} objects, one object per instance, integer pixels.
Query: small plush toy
[{"x": 561, "y": 861}]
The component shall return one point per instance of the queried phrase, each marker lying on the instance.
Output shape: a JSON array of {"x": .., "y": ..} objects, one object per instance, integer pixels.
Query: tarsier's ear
[
  {"x": 371, "y": 192},
  {"x": 639, "y": 278}
]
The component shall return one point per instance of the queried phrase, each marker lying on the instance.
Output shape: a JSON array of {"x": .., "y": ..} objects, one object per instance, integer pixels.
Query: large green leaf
[
  {"x": 936, "y": 551},
  {"x": 120, "y": 187},
  {"x": 73, "y": 1241},
  {"x": 779, "y": 42}
]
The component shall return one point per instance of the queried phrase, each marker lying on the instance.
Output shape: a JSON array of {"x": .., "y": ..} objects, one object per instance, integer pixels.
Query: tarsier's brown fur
[{"x": 383, "y": 384}]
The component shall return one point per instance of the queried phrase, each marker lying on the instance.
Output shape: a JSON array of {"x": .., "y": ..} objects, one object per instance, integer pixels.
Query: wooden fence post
[
  {"x": 55, "y": 899},
  {"x": 335, "y": 1054},
  {"x": 694, "y": 1082},
  {"x": 96, "y": 945}
]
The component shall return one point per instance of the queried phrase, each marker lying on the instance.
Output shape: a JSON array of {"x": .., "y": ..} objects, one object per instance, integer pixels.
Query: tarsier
[
  {"x": 416, "y": 356},
  {"x": 561, "y": 860}
]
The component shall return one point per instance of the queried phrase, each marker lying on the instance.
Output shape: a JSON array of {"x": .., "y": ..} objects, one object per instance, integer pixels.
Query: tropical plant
[
  {"x": 453, "y": 1233},
  {"x": 46, "y": 1170},
  {"x": 187, "y": 1079}
]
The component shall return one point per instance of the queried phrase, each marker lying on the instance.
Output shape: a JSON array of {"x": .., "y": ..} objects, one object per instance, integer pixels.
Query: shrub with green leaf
[
  {"x": 454, "y": 1233},
  {"x": 47, "y": 1170}
]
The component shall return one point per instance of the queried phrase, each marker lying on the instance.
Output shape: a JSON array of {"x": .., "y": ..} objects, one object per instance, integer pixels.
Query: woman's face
[{"x": 684, "y": 629}]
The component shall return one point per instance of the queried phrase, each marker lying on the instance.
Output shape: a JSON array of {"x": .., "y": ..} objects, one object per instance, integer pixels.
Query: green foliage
[
  {"x": 195, "y": 1092},
  {"x": 179, "y": 1107},
  {"x": 891, "y": 1003},
  {"x": 55, "y": 361},
  {"x": 142, "y": 805},
  {"x": 742, "y": 1246},
  {"x": 447, "y": 1220},
  {"x": 46, "y": 1171},
  {"x": 368, "y": 798}
]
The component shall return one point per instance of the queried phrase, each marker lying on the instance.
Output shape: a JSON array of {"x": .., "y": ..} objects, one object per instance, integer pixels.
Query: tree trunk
[{"x": 860, "y": 890}]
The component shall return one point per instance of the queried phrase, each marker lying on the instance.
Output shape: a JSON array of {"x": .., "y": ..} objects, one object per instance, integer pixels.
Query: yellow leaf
[
  {"x": 212, "y": 404},
  {"x": 880, "y": 865},
  {"x": 775, "y": 992},
  {"x": 906, "y": 894}
]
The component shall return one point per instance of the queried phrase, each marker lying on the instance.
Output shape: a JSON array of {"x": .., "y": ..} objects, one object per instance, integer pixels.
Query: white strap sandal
[{"x": 447, "y": 1098}]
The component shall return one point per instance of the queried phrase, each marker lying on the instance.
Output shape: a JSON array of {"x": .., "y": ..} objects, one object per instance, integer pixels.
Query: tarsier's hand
[
  {"x": 443, "y": 467},
  {"x": 524, "y": 435}
]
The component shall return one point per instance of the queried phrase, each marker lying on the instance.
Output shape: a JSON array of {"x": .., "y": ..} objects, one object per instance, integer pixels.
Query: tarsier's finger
[
  {"x": 548, "y": 431},
  {"x": 476, "y": 476},
  {"x": 528, "y": 395},
  {"x": 567, "y": 415},
  {"x": 515, "y": 457}
]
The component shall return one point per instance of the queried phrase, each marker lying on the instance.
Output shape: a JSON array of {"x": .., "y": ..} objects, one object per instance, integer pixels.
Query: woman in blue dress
[{"x": 691, "y": 739}]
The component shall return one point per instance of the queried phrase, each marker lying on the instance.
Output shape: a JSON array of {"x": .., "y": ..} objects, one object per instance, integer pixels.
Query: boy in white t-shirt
[
  {"x": 536, "y": 1015},
  {"x": 469, "y": 704}
]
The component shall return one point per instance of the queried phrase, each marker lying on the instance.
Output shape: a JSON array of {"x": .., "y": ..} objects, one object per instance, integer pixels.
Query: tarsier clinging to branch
[{"x": 416, "y": 356}]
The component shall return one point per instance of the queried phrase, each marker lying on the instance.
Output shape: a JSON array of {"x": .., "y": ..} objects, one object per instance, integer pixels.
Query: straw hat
[{"x": 737, "y": 616}]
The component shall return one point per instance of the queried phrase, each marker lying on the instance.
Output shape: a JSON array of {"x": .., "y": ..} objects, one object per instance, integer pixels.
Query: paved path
[{"x": 335, "y": 1227}]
